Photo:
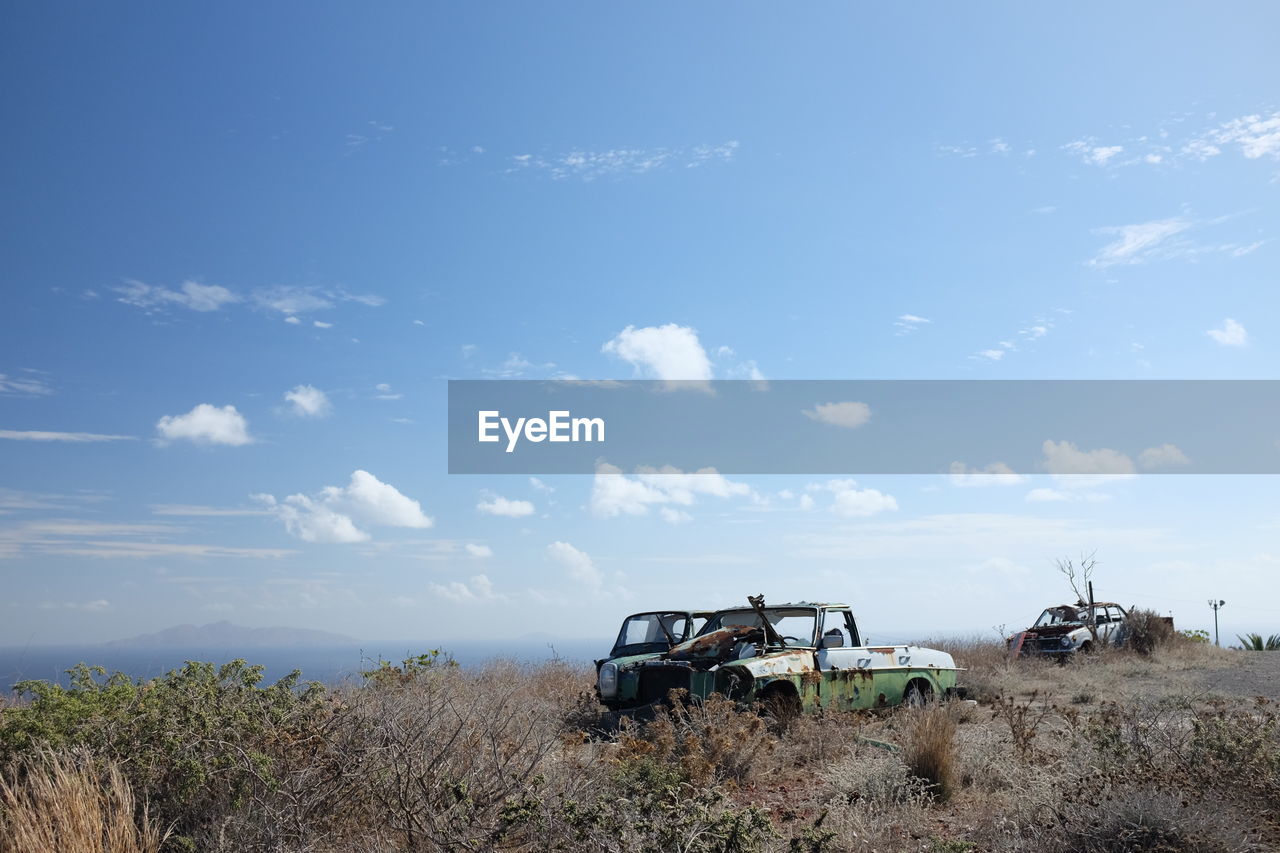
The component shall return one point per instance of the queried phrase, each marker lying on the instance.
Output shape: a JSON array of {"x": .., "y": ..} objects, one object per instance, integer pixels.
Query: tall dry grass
[{"x": 63, "y": 803}]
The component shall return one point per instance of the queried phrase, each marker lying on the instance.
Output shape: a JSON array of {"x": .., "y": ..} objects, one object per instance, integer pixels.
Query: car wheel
[
  {"x": 779, "y": 705},
  {"x": 917, "y": 695}
]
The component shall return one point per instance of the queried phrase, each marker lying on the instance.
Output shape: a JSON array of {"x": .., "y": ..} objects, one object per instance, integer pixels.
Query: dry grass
[
  {"x": 506, "y": 757},
  {"x": 930, "y": 752},
  {"x": 59, "y": 803}
]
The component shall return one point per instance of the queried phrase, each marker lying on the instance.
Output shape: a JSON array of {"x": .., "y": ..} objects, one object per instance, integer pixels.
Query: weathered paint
[{"x": 837, "y": 678}]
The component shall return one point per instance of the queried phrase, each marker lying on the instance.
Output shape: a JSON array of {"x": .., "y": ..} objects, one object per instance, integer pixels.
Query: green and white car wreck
[{"x": 796, "y": 657}]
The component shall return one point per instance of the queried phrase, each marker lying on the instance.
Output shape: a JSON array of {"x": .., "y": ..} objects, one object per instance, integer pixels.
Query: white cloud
[
  {"x": 309, "y": 402},
  {"x": 191, "y": 295},
  {"x": 290, "y": 300},
  {"x": 667, "y": 352},
  {"x": 1076, "y": 468},
  {"x": 498, "y": 505},
  {"x": 96, "y": 606},
  {"x": 480, "y": 588},
  {"x": 206, "y": 424},
  {"x": 515, "y": 366},
  {"x": 1256, "y": 135},
  {"x": 76, "y": 437},
  {"x": 577, "y": 563},
  {"x": 614, "y": 493},
  {"x": 1232, "y": 334},
  {"x": 908, "y": 323},
  {"x": 292, "y": 320},
  {"x": 332, "y": 515},
  {"x": 995, "y": 474},
  {"x": 1164, "y": 456},
  {"x": 674, "y": 516},
  {"x": 478, "y": 551},
  {"x": 805, "y": 503},
  {"x": 851, "y": 502},
  {"x": 848, "y": 414},
  {"x": 24, "y": 386},
  {"x": 989, "y": 354},
  {"x": 539, "y": 485},
  {"x": 1093, "y": 155},
  {"x": 320, "y": 324},
  {"x": 617, "y": 162},
  {"x": 1137, "y": 243},
  {"x": 202, "y": 511}
]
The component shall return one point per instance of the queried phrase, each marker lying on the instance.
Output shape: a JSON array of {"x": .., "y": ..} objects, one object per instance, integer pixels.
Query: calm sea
[{"x": 331, "y": 665}]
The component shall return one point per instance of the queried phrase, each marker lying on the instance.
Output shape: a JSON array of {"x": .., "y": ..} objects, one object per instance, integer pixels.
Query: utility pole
[{"x": 1216, "y": 605}]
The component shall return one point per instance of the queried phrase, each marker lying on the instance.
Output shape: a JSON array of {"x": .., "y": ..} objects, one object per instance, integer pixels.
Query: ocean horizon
[{"x": 329, "y": 665}]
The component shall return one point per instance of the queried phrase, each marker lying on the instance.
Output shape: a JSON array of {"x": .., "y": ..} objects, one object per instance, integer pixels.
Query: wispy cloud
[
  {"x": 1138, "y": 243},
  {"x": 292, "y": 300},
  {"x": 28, "y": 385},
  {"x": 191, "y": 295},
  {"x": 1254, "y": 136},
  {"x": 1093, "y": 154},
  {"x": 72, "y": 437},
  {"x": 908, "y": 323},
  {"x": 1164, "y": 239},
  {"x": 112, "y": 540},
  {"x": 373, "y": 131},
  {"x": 589, "y": 165},
  {"x": 1038, "y": 328}
]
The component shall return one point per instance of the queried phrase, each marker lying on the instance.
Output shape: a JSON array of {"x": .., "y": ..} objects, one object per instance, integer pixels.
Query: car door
[{"x": 845, "y": 667}]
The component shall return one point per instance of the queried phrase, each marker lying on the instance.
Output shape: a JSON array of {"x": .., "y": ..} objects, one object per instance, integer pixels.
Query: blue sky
[{"x": 209, "y": 208}]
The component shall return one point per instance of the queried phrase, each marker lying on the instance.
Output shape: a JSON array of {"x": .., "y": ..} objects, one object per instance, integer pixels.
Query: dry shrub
[
  {"x": 930, "y": 751},
  {"x": 1138, "y": 815},
  {"x": 817, "y": 740},
  {"x": 1145, "y": 631},
  {"x": 60, "y": 803},
  {"x": 706, "y": 742}
]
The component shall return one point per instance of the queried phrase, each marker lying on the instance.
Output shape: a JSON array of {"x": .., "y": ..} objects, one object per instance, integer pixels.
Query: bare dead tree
[{"x": 1079, "y": 574}]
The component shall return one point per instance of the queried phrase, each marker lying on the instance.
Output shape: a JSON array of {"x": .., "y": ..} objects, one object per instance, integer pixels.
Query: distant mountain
[{"x": 236, "y": 636}]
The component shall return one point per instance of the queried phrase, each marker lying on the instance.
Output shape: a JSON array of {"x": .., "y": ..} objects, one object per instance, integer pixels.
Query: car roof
[
  {"x": 674, "y": 610},
  {"x": 828, "y": 604}
]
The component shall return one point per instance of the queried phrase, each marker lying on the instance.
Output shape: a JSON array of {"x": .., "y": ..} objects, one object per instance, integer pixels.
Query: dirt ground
[{"x": 1248, "y": 674}]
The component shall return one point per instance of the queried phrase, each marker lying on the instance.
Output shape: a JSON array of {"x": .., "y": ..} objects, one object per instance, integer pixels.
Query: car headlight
[
  {"x": 607, "y": 681},
  {"x": 1066, "y": 642}
]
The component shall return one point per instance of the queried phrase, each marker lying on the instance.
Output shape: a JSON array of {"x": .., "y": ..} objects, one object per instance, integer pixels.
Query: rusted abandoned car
[
  {"x": 793, "y": 657},
  {"x": 1062, "y": 631},
  {"x": 649, "y": 634}
]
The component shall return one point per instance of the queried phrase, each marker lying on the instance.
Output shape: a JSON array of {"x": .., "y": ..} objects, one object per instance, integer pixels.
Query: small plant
[
  {"x": 433, "y": 660},
  {"x": 1195, "y": 635},
  {"x": 1256, "y": 643},
  {"x": 1023, "y": 719},
  {"x": 930, "y": 752}
]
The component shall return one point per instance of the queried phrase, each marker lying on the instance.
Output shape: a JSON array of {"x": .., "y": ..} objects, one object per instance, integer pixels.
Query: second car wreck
[
  {"x": 1062, "y": 631},
  {"x": 802, "y": 657}
]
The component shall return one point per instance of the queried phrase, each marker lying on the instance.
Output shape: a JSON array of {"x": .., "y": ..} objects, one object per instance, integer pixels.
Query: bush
[
  {"x": 1145, "y": 631},
  {"x": 929, "y": 751}
]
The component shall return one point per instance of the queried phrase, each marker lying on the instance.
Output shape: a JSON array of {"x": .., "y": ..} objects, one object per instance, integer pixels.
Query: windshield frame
[
  {"x": 623, "y": 649},
  {"x": 716, "y": 621}
]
